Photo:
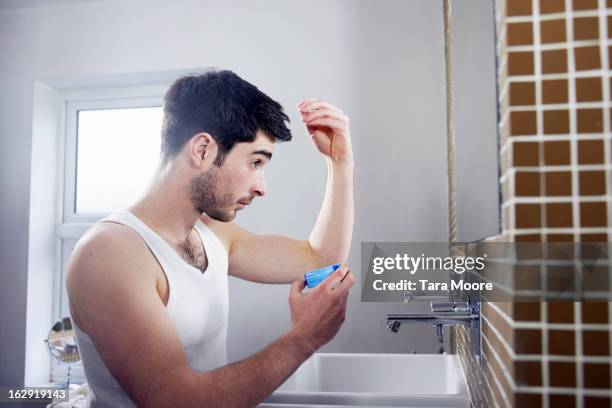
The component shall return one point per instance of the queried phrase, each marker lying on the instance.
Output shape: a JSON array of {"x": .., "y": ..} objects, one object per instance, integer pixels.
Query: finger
[
  {"x": 345, "y": 283},
  {"x": 318, "y": 104},
  {"x": 306, "y": 101},
  {"x": 297, "y": 287},
  {"x": 335, "y": 276},
  {"x": 348, "y": 281},
  {"x": 320, "y": 139},
  {"x": 324, "y": 113},
  {"x": 328, "y": 122},
  {"x": 334, "y": 279}
]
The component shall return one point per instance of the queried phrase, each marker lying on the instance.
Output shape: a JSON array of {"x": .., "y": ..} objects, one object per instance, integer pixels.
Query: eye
[{"x": 256, "y": 163}]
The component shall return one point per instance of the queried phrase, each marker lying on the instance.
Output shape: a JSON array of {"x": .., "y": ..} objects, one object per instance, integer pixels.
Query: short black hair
[{"x": 222, "y": 104}]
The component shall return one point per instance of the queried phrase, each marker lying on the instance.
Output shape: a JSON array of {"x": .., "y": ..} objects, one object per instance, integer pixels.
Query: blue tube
[{"x": 313, "y": 278}]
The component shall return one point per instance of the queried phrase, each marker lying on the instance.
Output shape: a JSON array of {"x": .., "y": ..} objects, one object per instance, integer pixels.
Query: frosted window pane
[{"x": 118, "y": 152}]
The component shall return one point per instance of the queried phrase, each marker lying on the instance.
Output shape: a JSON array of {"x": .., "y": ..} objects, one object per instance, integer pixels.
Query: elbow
[{"x": 327, "y": 256}]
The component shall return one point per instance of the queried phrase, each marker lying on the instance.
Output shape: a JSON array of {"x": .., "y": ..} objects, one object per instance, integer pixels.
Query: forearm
[
  {"x": 248, "y": 382},
  {"x": 331, "y": 236}
]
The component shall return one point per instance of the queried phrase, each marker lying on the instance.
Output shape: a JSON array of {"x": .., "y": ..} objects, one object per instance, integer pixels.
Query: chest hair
[{"x": 193, "y": 254}]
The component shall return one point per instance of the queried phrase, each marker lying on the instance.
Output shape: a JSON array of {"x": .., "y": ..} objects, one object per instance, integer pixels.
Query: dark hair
[{"x": 222, "y": 104}]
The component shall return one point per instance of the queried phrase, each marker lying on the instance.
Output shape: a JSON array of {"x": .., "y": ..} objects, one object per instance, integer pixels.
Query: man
[{"x": 148, "y": 286}]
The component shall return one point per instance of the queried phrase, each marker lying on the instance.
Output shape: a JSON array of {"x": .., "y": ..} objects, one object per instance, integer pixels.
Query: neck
[{"x": 166, "y": 206}]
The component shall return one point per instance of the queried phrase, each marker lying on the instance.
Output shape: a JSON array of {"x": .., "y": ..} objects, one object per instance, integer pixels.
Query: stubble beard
[{"x": 207, "y": 196}]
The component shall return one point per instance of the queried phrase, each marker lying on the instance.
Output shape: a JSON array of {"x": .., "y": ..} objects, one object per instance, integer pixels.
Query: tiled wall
[{"x": 554, "y": 61}]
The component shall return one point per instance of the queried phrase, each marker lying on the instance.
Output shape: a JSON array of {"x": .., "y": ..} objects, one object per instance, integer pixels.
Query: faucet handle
[{"x": 452, "y": 306}]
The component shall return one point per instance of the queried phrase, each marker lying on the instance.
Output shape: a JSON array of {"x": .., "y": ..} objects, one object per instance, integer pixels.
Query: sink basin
[{"x": 374, "y": 380}]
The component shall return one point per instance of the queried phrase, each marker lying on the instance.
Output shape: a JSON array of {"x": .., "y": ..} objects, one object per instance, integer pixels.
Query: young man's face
[{"x": 222, "y": 190}]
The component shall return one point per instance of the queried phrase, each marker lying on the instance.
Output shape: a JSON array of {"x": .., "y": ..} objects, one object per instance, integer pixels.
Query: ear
[{"x": 202, "y": 150}]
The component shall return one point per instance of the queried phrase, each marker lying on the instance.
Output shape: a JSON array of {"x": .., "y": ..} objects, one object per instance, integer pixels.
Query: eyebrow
[{"x": 264, "y": 153}]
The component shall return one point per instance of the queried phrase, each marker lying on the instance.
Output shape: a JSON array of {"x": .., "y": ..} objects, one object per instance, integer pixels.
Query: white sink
[{"x": 374, "y": 380}]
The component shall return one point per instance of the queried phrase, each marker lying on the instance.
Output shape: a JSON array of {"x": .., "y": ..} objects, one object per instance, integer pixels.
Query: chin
[{"x": 223, "y": 216}]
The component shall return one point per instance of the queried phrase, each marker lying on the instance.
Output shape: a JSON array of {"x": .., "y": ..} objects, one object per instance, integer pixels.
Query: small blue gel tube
[{"x": 313, "y": 278}]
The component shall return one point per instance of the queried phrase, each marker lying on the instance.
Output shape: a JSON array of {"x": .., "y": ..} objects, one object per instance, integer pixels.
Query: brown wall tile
[
  {"x": 561, "y": 342},
  {"x": 553, "y": 31},
  {"x": 556, "y": 153},
  {"x": 527, "y": 216},
  {"x": 522, "y": 93},
  {"x": 527, "y": 341},
  {"x": 592, "y": 183},
  {"x": 595, "y": 343},
  {"x": 561, "y": 278},
  {"x": 591, "y": 401},
  {"x": 558, "y": 183},
  {"x": 597, "y": 280},
  {"x": 589, "y": 120},
  {"x": 594, "y": 312},
  {"x": 552, "y": 6},
  {"x": 594, "y": 238},
  {"x": 554, "y": 61},
  {"x": 560, "y": 238},
  {"x": 518, "y": 8},
  {"x": 562, "y": 374},
  {"x": 526, "y": 311},
  {"x": 527, "y": 183},
  {"x": 593, "y": 214},
  {"x": 588, "y": 89},
  {"x": 528, "y": 373},
  {"x": 526, "y": 237},
  {"x": 520, "y": 33},
  {"x": 527, "y": 400},
  {"x": 556, "y": 122},
  {"x": 587, "y": 58},
  {"x": 526, "y": 277},
  {"x": 586, "y": 28},
  {"x": 525, "y": 153},
  {"x": 590, "y": 152},
  {"x": 523, "y": 123},
  {"x": 596, "y": 375},
  {"x": 520, "y": 63},
  {"x": 583, "y": 4},
  {"x": 559, "y": 215},
  {"x": 554, "y": 91},
  {"x": 560, "y": 312},
  {"x": 562, "y": 400}
]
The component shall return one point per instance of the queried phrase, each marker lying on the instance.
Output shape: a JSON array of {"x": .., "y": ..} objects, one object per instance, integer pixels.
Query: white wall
[
  {"x": 19, "y": 35},
  {"x": 380, "y": 61}
]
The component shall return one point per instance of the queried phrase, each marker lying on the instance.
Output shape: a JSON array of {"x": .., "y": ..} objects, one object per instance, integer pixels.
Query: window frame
[
  {"x": 70, "y": 226},
  {"x": 85, "y": 100}
]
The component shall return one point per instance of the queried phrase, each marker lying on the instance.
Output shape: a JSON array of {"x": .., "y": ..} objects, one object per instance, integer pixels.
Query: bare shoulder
[
  {"x": 107, "y": 256},
  {"x": 106, "y": 244}
]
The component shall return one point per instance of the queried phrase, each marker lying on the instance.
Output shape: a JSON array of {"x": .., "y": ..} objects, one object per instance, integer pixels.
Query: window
[{"x": 117, "y": 152}]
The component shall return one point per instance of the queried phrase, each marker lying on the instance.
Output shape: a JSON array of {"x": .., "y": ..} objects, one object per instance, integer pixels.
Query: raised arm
[
  {"x": 112, "y": 291},
  {"x": 278, "y": 259}
]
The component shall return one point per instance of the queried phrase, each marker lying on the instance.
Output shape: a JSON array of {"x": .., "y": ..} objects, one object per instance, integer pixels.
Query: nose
[{"x": 259, "y": 189}]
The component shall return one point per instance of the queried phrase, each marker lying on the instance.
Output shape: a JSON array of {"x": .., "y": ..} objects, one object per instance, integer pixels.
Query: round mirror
[{"x": 62, "y": 345}]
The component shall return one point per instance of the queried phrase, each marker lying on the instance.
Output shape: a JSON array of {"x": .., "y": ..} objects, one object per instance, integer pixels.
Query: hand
[
  {"x": 316, "y": 316},
  {"x": 328, "y": 127}
]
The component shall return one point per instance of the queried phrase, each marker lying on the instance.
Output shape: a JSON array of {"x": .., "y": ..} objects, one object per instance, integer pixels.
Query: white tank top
[{"x": 197, "y": 304}]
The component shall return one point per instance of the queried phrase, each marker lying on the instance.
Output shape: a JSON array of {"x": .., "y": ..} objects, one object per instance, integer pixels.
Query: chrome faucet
[{"x": 444, "y": 314}]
